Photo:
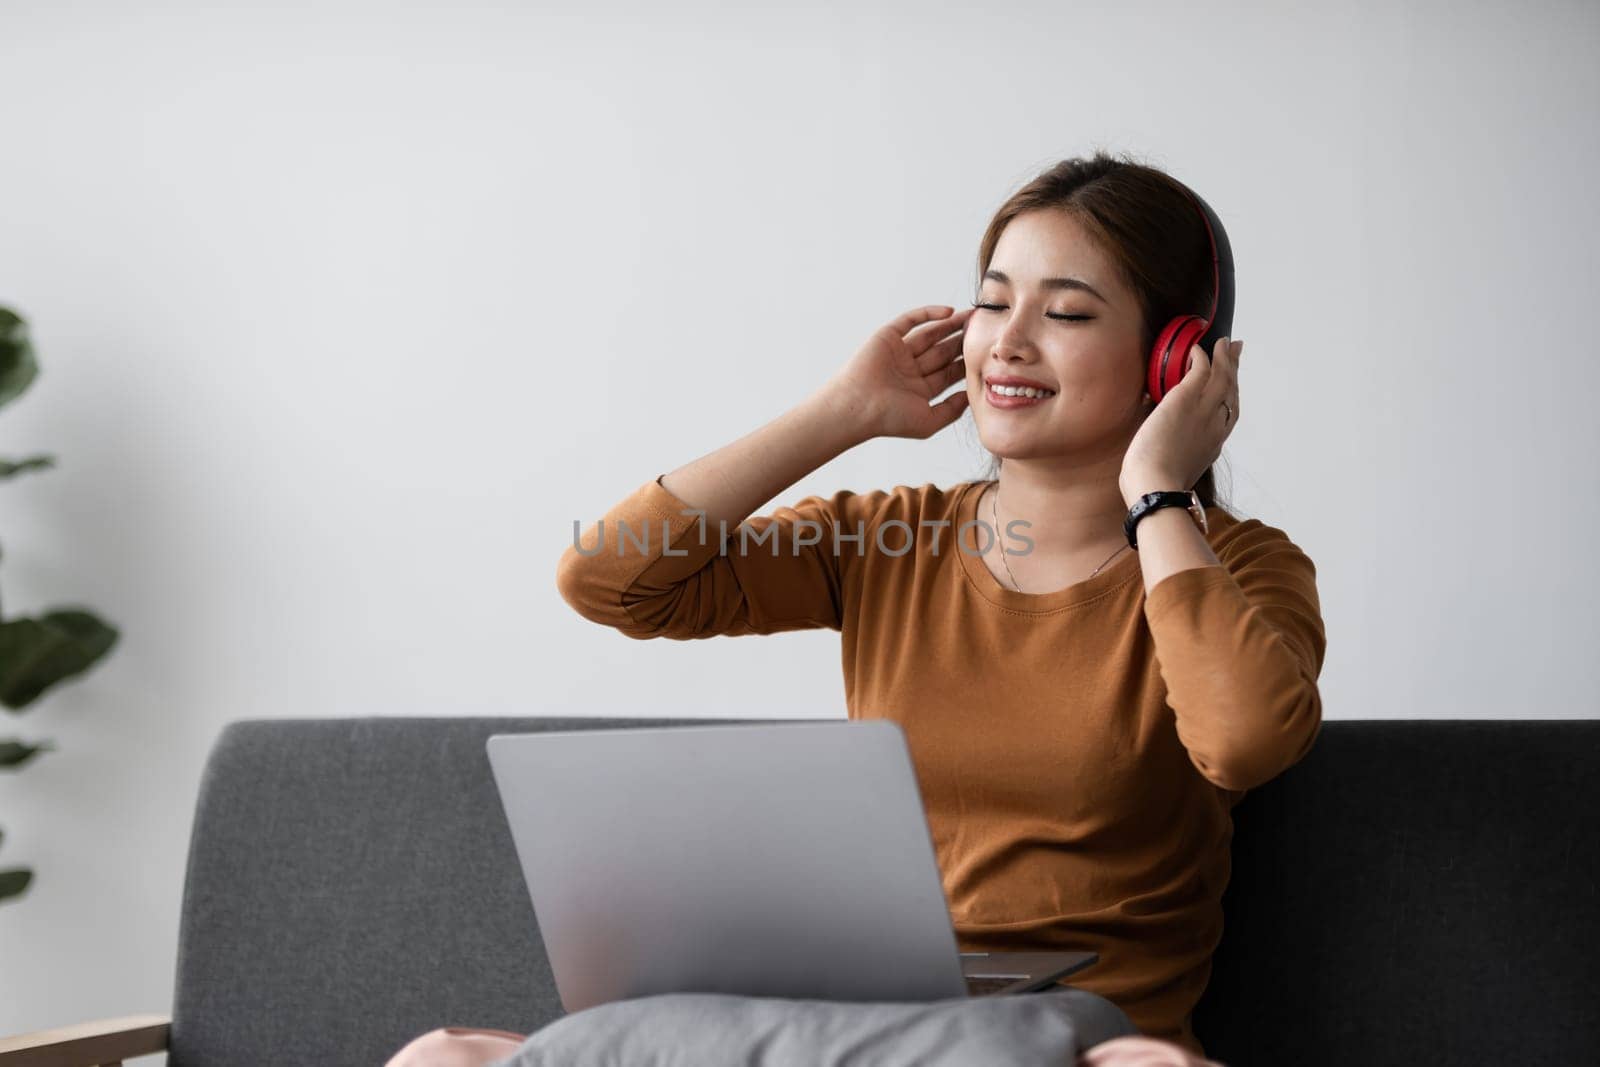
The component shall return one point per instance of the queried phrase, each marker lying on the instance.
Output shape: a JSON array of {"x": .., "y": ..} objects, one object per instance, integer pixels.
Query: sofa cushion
[{"x": 709, "y": 1029}]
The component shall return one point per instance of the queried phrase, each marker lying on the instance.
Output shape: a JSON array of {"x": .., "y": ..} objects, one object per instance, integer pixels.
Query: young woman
[{"x": 1082, "y": 711}]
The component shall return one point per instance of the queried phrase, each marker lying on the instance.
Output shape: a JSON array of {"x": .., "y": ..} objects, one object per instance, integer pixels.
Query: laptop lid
[{"x": 788, "y": 859}]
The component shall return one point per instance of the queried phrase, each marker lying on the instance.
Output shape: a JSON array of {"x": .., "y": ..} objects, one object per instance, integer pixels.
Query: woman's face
[{"x": 1092, "y": 362}]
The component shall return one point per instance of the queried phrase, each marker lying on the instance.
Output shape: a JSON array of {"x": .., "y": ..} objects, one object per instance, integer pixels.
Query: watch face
[{"x": 1197, "y": 509}]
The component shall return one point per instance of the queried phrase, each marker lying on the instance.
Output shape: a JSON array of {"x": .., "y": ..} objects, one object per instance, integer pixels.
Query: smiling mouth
[{"x": 1016, "y": 393}]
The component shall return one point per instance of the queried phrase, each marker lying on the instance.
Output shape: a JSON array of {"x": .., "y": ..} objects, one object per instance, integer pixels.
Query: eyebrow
[{"x": 1052, "y": 283}]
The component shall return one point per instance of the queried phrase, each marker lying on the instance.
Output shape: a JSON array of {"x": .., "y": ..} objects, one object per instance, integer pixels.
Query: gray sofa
[{"x": 1418, "y": 891}]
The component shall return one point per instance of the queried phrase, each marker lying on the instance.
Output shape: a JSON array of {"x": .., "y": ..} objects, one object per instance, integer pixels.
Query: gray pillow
[{"x": 716, "y": 1029}]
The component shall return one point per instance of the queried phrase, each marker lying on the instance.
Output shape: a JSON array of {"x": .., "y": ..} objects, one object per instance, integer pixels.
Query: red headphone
[{"x": 1171, "y": 349}]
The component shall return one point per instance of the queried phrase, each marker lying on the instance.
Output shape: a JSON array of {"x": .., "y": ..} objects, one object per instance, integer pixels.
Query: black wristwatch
[{"x": 1165, "y": 498}]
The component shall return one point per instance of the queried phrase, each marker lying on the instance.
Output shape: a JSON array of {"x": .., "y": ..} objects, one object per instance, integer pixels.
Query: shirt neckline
[{"x": 1117, "y": 573}]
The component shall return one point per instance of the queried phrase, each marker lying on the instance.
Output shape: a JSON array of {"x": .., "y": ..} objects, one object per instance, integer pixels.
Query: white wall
[{"x": 346, "y": 311}]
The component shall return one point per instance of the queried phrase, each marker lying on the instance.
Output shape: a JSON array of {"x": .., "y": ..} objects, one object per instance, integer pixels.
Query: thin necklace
[{"x": 996, "y": 503}]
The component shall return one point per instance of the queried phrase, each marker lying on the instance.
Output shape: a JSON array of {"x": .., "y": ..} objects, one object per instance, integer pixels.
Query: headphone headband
[
  {"x": 1170, "y": 352},
  {"x": 1221, "y": 313}
]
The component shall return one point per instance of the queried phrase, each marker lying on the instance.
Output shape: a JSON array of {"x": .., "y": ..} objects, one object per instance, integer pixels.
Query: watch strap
[{"x": 1164, "y": 498}]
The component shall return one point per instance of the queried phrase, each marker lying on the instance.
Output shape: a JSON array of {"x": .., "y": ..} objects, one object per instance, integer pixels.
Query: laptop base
[{"x": 991, "y": 974}]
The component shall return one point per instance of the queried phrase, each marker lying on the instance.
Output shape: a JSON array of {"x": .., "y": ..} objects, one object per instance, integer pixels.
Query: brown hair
[{"x": 1150, "y": 228}]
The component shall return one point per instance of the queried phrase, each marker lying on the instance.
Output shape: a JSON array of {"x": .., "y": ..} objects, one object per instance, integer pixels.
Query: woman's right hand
[{"x": 910, "y": 360}]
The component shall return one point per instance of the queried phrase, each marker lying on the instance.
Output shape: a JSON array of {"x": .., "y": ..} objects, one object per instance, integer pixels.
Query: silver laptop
[{"x": 787, "y": 859}]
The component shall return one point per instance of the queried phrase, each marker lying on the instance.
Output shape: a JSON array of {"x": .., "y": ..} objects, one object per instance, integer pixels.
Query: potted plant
[{"x": 35, "y": 653}]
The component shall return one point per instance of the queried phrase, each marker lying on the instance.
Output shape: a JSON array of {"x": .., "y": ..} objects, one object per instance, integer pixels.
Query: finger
[
  {"x": 1220, "y": 377},
  {"x": 943, "y": 377},
  {"x": 925, "y": 337},
  {"x": 951, "y": 407},
  {"x": 902, "y": 324},
  {"x": 1230, "y": 397},
  {"x": 1219, "y": 361},
  {"x": 1224, "y": 362},
  {"x": 939, "y": 354}
]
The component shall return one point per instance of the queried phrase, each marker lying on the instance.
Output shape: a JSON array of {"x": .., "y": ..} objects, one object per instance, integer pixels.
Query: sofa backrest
[
  {"x": 1412, "y": 892},
  {"x": 351, "y": 885},
  {"x": 1416, "y": 891}
]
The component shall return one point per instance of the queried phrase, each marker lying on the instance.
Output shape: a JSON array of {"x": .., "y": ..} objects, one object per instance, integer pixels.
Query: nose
[
  {"x": 1012, "y": 347},
  {"x": 1013, "y": 342}
]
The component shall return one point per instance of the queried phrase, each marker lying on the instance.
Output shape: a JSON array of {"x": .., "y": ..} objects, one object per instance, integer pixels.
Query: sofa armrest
[{"x": 104, "y": 1043}]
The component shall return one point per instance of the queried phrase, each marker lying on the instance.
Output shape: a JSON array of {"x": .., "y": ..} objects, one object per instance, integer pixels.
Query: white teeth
[{"x": 1021, "y": 390}]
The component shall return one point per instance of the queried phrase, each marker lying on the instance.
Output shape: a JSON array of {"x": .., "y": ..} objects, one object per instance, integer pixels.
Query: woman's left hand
[{"x": 1184, "y": 434}]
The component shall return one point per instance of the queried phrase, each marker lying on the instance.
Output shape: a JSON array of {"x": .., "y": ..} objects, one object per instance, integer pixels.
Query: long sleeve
[
  {"x": 667, "y": 575},
  {"x": 1240, "y": 646}
]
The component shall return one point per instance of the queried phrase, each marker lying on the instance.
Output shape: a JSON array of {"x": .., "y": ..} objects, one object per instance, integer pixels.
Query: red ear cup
[{"x": 1171, "y": 351}]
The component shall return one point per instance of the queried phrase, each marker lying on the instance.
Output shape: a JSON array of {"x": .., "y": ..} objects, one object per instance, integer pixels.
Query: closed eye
[{"x": 1048, "y": 314}]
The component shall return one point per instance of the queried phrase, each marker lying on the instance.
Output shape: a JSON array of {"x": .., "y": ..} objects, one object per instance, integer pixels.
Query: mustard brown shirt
[{"x": 1078, "y": 752}]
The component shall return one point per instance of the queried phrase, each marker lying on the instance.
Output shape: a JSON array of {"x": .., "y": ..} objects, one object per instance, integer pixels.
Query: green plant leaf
[
  {"x": 14, "y": 754},
  {"x": 18, "y": 368},
  {"x": 14, "y": 881},
  {"x": 35, "y": 654},
  {"x": 11, "y": 467}
]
